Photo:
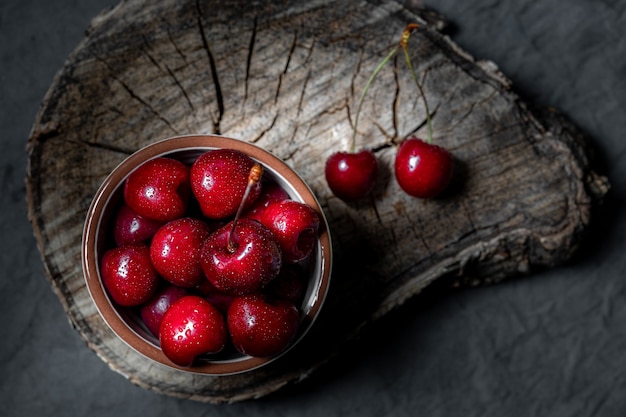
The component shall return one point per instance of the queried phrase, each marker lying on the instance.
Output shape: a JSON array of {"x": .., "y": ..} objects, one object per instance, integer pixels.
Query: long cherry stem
[
  {"x": 365, "y": 89},
  {"x": 421, "y": 90},
  {"x": 253, "y": 178},
  {"x": 404, "y": 43}
]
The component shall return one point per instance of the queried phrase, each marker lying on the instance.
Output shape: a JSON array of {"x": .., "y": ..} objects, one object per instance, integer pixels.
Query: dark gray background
[{"x": 550, "y": 344}]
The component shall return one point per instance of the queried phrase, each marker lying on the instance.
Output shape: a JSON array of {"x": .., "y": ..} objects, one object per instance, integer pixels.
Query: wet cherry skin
[
  {"x": 423, "y": 170},
  {"x": 351, "y": 176}
]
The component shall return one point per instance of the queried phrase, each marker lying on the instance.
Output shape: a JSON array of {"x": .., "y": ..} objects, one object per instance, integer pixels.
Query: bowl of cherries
[{"x": 207, "y": 254}]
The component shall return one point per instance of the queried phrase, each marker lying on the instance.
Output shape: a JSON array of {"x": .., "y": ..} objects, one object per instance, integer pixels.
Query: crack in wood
[
  {"x": 286, "y": 68},
  {"x": 292, "y": 139},
  {"x": 375, "y": 210},
  {"x": 134, "y": 95},
  {"x": 357, "y": 71},
  {"x": 249, "y": 58},
  {"x": 181, "y": 88},
  {"x": 470, "y": 109},
  {"x": 468, "y": 216},
  {"x": 108, "y": 147},
  {"x": 390, "y": 138},
  {"x": 175, "y": 45},
  {"x": 305, "y": 83},
  {"x": 264, "y": 131},
  {"x": 396, "y": 100},
  {"x": 310, "y": 49},
  {"x": 294, "y": 134},
  {"x": 297, "y": 9},
  {"x": 415, "y": 227},
  {"x": 168, "y": 71},
  {"x": 394, "y": 240},
  {"x": 422, "y": 123},
  {"x": 216, "y": 82},
  {"x": 172, "y": 74}
]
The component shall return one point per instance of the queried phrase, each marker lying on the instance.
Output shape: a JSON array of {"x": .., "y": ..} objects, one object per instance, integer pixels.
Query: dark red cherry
[
  {"x": 351, "y": 176},
  {"x": 423, "y": 170}
]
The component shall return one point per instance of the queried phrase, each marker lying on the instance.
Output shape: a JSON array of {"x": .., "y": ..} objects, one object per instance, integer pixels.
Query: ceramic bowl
[{"x": 97, "y": 237}]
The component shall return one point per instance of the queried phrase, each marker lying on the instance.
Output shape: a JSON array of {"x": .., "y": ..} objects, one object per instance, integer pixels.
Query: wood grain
[{"x": 287, "y": 75}]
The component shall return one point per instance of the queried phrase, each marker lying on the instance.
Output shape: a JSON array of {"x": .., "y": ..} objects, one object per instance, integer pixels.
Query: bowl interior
[{"x": 97, "y": 238}]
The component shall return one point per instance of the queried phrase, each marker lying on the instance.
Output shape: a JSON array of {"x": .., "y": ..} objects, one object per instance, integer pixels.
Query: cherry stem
[
  {"x": 404, "y": 43},
  {"x": 256, "y": 172},
  {"x": 421, "y": 90},
  {"x": 365, "y": 90}
]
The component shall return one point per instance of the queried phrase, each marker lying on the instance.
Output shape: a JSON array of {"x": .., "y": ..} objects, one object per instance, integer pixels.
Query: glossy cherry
[
  {"x": 191, "y": 327},
  {"x": 260, "y": 326},
  {"x": 243, "y": 256},
  {"x": 351, "y": 176},
  {"x": 153, "y": 310},
  {"x": 271, "y": 192},
  {"x": 219, "y": 179},
  {"x": 128, "y": 274},
  {"x": 295, "y": 225},
  {"x": 423, "y": 170},
  {"x": 131, "y": 227},
  {"x": 248, "y": 264},
  {"x": 175, "y": 251},
  {"x": 158, "y": 189}
]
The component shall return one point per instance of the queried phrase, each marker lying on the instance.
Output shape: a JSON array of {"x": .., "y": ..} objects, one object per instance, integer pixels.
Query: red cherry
[
  {"x": 270, "y": 193},
  {"x": 253, "y": 259},
  {"x": 158, "y": 189},
  {"x": 423, "y": 170},
  {"x": 128, "y": 275},
  {"x": 131, "y": 227},
  {"x": 295, "y": 226},
  {"x": 153, "y": 310},
  {"x": 261, "y": 327},
  {"x": 219, "y": 179},
  {"x": 351, "y": 176},
  {"x": 191, "y": 327},
  {"x": 175, "y": 251}
]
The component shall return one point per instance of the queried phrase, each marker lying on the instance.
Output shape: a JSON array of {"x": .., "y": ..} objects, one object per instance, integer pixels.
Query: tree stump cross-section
[{"x": 287, "y": 76}]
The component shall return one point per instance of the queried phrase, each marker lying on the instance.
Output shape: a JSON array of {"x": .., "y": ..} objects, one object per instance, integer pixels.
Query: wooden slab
[{"x": 286, "y": 76}]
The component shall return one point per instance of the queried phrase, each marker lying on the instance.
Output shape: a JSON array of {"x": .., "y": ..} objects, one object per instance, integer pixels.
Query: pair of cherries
[{"x": 422, "y": 169}]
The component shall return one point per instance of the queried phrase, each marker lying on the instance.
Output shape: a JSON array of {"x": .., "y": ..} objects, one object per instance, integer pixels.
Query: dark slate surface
[{"x": 551, "y": 344}]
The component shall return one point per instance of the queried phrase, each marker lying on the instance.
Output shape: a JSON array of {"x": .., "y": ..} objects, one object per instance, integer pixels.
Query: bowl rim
[{"x": 112, "y": 184}]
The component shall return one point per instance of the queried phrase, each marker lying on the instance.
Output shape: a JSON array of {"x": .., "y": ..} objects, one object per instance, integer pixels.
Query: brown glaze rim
[{"x": 108, "y": 196}]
